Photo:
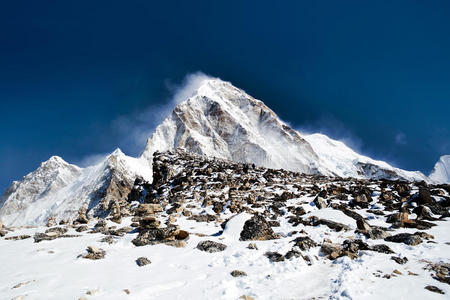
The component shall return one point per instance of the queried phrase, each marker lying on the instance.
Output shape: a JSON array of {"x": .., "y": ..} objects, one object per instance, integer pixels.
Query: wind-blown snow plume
[{"x": 134, "y": 129}]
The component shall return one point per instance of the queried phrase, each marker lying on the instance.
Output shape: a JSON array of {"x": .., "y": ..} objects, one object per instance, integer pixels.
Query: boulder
[
  {"x": 94, "y": 253},
  {"x": 142, "y": 261},
  {"x": 399, "y": 260},
  {"x": 304, "y": 243},
  {"x": 381, "y": 248},
  {"x": 257, "y": 229},
  {"x": 434, "y": 289},
  {"x": 363, "y": 225},
  {"x": 406, "y": 238},
  {"x": 424, "y": 197},
  {"x": 320, "y": 202},
  {"x": 18, "y": 237},
  {"x": 155, "y": 236},
  {"x": 331, "y": 250},
  {"x": 274, "y": 256},
  {"x": 51, "y": 222},
  {"x": 238, "y": 273},
  {"x": 211, "y": 246}
]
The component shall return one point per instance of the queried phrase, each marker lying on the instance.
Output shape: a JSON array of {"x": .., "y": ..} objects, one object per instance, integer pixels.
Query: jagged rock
[
  {"x": 434, "y": 289},
  {"x": 18, "y": 237},
  {"x": 333, "y": 225},
  {"x": 257, "y": 229},
  {"x": 101, "y": 223},
  {"x": 211, "y": 246},
  {"x": 51, "y": 222},
  {"x": 237, "y": 273},
  {"x": 399, "y": 260},
  {"x": 252, "y": 246},
  {"x": 82, "y": 228},
  {"x": 39, "y": 237},
  {"x": 3, "y": 233},
  {"x": 108, "y": 239},
  {"x": 424, "y": 197},
  {"x": 155, "y": 236},
  {"x": 57, "y": 230},
  {"x": 149, "y": 222},
  {"x": 145, "y": 209},
  {"x": 423, "y": 213},
  {"x": 402, "y": 189},
  {"x": 203, "y": 218},
  {"x": 293, "y": 253},
  {"x": 361, "y": 200},
  {"x": 363, "y": 225},
  {"x": 82, "y": 217},
  {"x": 142, "y": 261},
  {"x": 94, "y": 253},
  {"x": 320, "y": 202},
  {"x": 304, "y": 243},
  {"x": 406, "y": 238},
  {"x": 375, "y": 233},
  {"x": 381, "y": 248},
  {"x": 274, "y": 256},
  {"x": 331, "y": 250}
]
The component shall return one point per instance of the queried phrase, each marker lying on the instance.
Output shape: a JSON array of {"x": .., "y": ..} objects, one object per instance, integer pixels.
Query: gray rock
[
  {"x": 381, "y": 248},
  {"x": 399, "y": 260},
  {"x": 94, "y": 253},
  {"x": 406, "y": 238},
  {"x": 237, "y": 273},
  {"x": 142, "y": 261},
  {"x": 304, "y": 243},
  {"x": 18, "y": 237},
  {"x": 211, "y": 246},
  {"x": 274, "y": 256},
  {"x": 257, "y": 229},
  {"x": 434, "y": 289}
]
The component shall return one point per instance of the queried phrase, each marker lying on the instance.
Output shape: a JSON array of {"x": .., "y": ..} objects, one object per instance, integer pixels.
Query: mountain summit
[
  {"x": 216, "y": 120},
  {"x": 223, "y": 121}
]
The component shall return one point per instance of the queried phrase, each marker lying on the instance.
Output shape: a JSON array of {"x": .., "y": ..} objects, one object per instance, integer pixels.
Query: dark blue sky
[{"x": 374, "y": 72}]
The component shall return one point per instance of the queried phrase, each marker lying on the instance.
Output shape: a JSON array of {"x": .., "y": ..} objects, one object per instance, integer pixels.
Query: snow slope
[
  {"x": 337, "y": 159},
  {"x": 441, "y": 171},
  {"x": 59, "y": 189},
  {"x": 187, "y": 273}
]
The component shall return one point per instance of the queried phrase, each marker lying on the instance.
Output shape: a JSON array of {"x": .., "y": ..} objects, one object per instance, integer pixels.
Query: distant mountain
[
  {"x": 59, "y": 189},
  {"x": 441, "y": 171},
  {"x": 217, "y": 120}
]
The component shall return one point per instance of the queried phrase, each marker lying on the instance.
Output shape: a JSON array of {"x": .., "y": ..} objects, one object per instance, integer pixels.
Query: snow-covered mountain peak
[
  {"x": 441, "y": 171},
  {"x": 220, "y": 120},
  {"x": 223, "y": 121}
]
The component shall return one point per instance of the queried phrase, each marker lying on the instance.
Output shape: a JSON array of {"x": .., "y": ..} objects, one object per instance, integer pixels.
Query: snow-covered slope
[
  {"x": 337, "y": 159},
  {"x": 223, "y": 121},
  {"x": 441, "y": 171},
  {"x": 59, "y": 189}
]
